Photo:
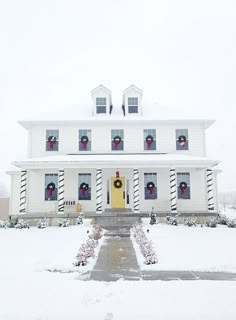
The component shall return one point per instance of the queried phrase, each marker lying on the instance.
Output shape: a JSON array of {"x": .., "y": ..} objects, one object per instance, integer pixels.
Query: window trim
[
  {"x": 131, "y": 104},
  {"x": 185, "y": 132},
  {"x": 89, "y": 174},
  {"x": 52, "y": 132},
  {"x": 188, "y": 174},
  {"x": 89, "y": 135},
  {"x": 46, "y": 183},
  {"x": 154, "y": 139},
  {"x": 100, "y": 105},
  {"x": 154, "y": 174}
]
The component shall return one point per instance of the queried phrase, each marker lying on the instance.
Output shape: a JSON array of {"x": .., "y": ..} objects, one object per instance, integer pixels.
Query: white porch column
[
  {"x": 173, "y": 191},
  {"x": 99, "y": 191},
  {"x": 210, "y": 194},
  {"x": 61, "y": 192},
  {"x": 136, "y": 190},
  {"x": 23, "y": 185}
]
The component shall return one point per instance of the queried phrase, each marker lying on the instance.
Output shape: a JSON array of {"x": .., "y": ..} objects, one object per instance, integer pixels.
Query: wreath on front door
[
  {"x": 182, "y": 141},
  {"x": 117, "y": 141},
  {"x": 50, "y": 188},
  {"x": 117, "y": 183},
  {"x": 84, "y": 187},
  {"x": 150, "y": 187},
  {"x": 84, "y": 140},
  {"x": 51, "y": 141},
  {"x": 183, "y": 186},
  {"x": 149, "y": 140}
]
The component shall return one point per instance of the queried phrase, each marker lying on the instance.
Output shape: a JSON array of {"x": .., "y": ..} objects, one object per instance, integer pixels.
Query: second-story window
[
  {"x": 52, "y": 140},
  {"x": 117, "y": 139},
  {"x": 132, "y": 105},
  {"x": 84, "y": 140},
  {"x": 149, "y": 136},
  {"x": 101, "y": 105},
  {"x": 181, "y": 139}
]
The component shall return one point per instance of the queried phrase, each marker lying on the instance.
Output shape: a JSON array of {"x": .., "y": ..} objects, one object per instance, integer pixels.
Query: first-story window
[
  {"x": 84, "y": 140},
  {"x": 51, "y": 187},
  {"x": 84, "y": 191},
  {"x": 52, "y": 140},
  {"x": 149, "y": 136},
  {"x": 181, "y": 139},
  {"x": 117, "y": 139},
  {"x": 150, "y": 186},
  {"x": 183, "y": 185}
]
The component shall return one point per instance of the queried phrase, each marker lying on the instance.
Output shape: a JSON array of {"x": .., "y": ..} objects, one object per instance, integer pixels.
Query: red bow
[
  {"x": 182, "y": 189},
  {"x": 83, "y": 191},
  {"x": 150, "y": 189},
  {"x": 149, "y": 142},
  {"x": 50, "y": 190},
  {"x": 51, "y": 142},
  {"x": 182, "y": 142},
  {"x": 117, "y": 141},
  {"x": 84, "y": 144}
]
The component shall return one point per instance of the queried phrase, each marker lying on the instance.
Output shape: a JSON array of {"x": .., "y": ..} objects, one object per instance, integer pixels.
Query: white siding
[{"x": 101, "y": 139}]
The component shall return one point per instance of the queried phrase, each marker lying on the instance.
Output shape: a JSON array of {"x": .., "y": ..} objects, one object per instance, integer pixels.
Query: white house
[{"x": 120, "y": 156}]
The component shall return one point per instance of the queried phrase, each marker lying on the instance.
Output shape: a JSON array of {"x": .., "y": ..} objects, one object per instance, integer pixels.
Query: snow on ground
[
  {"x": 191, "y": 248},
  {"x": 29, "y": 292}
]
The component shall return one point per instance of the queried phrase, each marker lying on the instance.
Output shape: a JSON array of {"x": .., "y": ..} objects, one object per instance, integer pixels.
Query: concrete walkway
[{"x": 117, "y": 260}]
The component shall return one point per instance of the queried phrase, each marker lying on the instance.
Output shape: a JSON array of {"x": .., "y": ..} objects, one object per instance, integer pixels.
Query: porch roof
[{"x": 116, "y": 160}]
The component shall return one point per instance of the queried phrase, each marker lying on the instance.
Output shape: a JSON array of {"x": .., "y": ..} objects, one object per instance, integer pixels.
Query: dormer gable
[
  {"x": 102, "y": 102},
  {"x": 132, "y": 97}
]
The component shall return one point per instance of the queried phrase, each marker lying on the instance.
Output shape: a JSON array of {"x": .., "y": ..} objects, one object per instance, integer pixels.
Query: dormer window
[
  {"x": 101, "y": 105},
  {"x": 133, "y": 105}
]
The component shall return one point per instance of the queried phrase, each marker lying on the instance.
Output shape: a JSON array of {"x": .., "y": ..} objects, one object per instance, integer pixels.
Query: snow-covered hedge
[
  {"x": 87, "y": 249},
  {"x": 146, "y": 246}
]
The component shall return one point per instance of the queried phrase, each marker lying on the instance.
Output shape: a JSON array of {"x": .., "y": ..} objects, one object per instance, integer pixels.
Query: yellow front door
[{"x": 118, "y": 192}]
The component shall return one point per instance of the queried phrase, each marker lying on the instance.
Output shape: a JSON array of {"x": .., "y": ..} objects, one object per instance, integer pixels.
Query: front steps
[{"x": 117, "y": 222}]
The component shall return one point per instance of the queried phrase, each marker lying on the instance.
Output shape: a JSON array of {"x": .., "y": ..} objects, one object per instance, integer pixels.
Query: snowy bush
[
  {"x": 222, "y": 219},
  {"x": 42, "y": 223},
  {"x": 11, "y": 223},
  {"x": 231, "y": 223},
  {"x": 63, "y": 222},
  {"x": 172, "y": 220},
  {"x": 190, "y": 222},
  {"x": 22, "y": 224},
  {"x": 87, "y": 249},
  {"x": 153, "y": 219},
  {"x": 146, "y": 246},
  {"x": 79, "y": 219},
  {"x": 3, "y": 224},
  {"x": 212, "y": 223}
]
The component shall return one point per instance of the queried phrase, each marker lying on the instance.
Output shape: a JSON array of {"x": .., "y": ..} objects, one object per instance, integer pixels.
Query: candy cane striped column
[
  {"x": 210, "y": 194},
  {"x": 136, "y": 190},
  {"x": 173, "y": 192},
  {"x": 23, "y": 185},
  {"x": 99, "y": 191},
  {"x": 61, "y": 192}
]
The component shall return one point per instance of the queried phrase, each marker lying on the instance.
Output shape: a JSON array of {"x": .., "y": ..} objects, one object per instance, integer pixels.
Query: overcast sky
[{"x": 182, "y": 54}]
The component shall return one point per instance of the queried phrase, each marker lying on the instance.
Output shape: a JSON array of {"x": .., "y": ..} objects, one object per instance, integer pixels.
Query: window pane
[
  {"x": 101, "y": 109},
  {"x": 52, "y": 140},
  {"x": 84, "y": 140},
  {"x": 149, "y": 136},
  {"x": 150, "y": 186},
  {"x": 183, "y": 185},
  {"x": 51, "y": 187},
  {"x": 84, "y": 188},
  {"x": 101, "y": 105},
  {"x": 117, "y": 139},
  {"x": 133, "y": 105},
  {"x": 181, "y": 139}
]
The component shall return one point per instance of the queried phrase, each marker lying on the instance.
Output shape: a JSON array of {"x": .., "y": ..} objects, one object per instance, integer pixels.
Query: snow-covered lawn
[
  {"x": 29, "y": 292},
  {"x": 191, "y": 248}
]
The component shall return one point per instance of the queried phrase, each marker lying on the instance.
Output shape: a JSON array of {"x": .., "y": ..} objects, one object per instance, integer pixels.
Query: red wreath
[
  {"x": 183, "y": 187},
  {"x": 84, "y": 187},
  {"x": 51, "y": 141},
  {"x": 50, "y": 187},
  {"x": 182, "y": 141},
  {"x": 150, "y": 187}
]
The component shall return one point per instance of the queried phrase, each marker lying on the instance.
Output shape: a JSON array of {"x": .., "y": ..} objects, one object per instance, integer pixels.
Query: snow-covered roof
[
  {"x": 116, "y": 160},
  {"x": 76, "y": 114}
]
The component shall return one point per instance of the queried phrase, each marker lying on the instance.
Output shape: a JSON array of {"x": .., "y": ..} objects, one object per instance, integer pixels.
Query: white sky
[{"x": 180, "y": 53}]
